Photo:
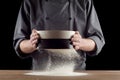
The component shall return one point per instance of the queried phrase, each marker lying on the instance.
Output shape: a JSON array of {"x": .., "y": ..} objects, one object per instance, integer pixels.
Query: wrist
[
  {"x": 26, "y": 47},
  {"x": 87, "y": 45}
]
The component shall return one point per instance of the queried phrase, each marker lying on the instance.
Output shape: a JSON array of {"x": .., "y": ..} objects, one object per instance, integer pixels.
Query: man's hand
[
  {"x": 28, "y": 46},
  {"x": 80, "y": 43},
  {"x": 34, "y": 38}
]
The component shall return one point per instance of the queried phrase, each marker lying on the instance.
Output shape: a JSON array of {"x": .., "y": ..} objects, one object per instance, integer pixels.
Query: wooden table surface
[{"x": 92, "y": 75}]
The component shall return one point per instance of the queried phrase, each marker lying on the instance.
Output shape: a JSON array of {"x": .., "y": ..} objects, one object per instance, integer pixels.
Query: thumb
[{"x": 77, "y": 32}]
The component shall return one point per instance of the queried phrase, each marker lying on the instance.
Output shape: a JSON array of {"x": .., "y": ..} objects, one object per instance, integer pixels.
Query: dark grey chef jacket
[{"x": 77, "y": 15}]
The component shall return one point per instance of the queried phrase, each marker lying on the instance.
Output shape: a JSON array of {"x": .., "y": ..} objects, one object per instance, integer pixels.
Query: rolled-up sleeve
[
  {"x": 94, "y": 30},
  {"x": 22, "y": 28}
]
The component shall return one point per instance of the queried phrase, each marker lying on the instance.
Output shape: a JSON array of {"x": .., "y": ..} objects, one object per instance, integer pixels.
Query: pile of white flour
[
  {"x": 38, "y": 73},
  {"x": 62, "y": 63}
]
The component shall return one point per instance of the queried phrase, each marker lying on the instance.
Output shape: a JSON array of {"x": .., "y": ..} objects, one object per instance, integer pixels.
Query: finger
[
  {"x": 76, "y": 44},
  {"x": 34, "y": 36},
  {"x": 76, "y": 47},
  {"x": 34, "y": 30},
  {"x": 77, "y": 33},
  {"x": 75, "y": 39},
  {"x": 34, "y": 41},
  {"x": 76, "y": 36}
]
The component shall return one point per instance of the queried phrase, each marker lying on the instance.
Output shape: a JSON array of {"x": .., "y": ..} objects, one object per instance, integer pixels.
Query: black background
[{"x": 108, "y": 59}]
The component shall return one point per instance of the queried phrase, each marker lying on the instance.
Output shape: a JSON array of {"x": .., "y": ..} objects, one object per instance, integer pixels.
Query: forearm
[
  {"x": 26, "y": 47},
  {"x": 87, "y": 45}
]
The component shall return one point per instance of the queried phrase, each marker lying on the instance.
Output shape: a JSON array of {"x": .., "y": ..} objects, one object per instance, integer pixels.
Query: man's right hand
[{"x": 30, "y": 45}]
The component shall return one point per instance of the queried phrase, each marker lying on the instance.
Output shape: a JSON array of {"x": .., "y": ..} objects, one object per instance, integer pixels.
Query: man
[{"x": 76, "y": 15}]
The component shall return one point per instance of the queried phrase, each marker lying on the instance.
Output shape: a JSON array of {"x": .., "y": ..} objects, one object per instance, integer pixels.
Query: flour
[
  {"x": 62, "y": 62},
  {"x": 37, "y": 73}
]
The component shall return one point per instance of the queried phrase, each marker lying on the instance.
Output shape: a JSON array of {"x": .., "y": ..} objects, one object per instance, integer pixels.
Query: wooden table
[{"x": 92, "y": 75}]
